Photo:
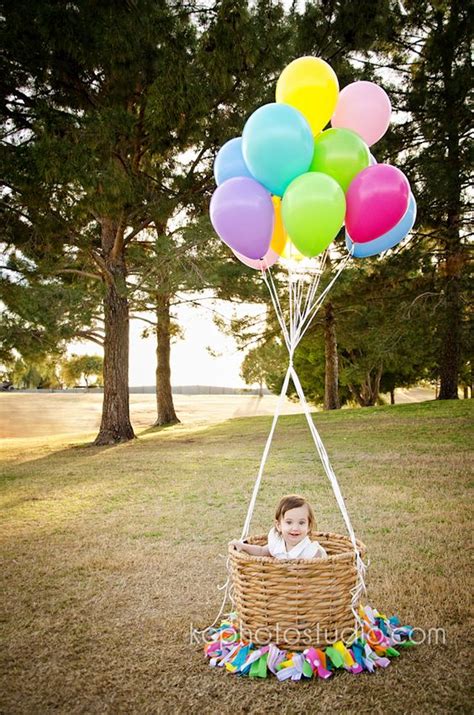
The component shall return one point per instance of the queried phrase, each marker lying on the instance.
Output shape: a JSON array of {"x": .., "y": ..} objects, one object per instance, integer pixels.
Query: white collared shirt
[{"x": 305, "y": 549}]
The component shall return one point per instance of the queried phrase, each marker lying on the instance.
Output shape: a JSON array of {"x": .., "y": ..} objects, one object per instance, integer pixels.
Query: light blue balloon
[
  {"x": 277, "y": 145},
  {"x": 372, "y": 160},
  {"x": 230, "y": 162},
  {"x": 387, "y": 240}
]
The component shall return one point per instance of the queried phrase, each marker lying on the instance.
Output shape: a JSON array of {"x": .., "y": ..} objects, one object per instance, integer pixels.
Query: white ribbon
[
  {"x": 303, "y": 309},
  {"x": 304, "y": 304}
]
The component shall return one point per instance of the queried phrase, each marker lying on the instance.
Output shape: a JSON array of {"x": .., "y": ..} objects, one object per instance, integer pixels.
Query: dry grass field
[
  {"x": 42, "y": 414},
  {"x": 110, "y": 555}
]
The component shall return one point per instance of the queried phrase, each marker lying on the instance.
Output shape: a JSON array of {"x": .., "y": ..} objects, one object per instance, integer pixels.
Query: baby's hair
[{"x": 293, "y": 501}]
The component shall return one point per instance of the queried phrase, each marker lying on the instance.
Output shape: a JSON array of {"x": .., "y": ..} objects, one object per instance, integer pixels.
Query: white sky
[{"x": 191, "y": 363}]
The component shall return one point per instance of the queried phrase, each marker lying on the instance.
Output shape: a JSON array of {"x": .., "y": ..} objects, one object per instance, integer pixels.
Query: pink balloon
[
  {"x": 260, "y": 264},
  {"x": 376, "y": 201},
  {"x": 365, "y": 108}
]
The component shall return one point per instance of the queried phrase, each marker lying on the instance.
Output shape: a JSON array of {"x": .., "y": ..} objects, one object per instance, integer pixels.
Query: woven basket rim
[{"x": 346, "y": 555}]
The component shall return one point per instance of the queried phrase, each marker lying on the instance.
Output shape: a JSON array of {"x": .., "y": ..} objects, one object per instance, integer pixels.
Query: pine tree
[
  {"x": 188, "y": 257},
  {"x": 86, "y": 91},
  {"x": 437, "y": 40},
  {"x": 43, "y": 310},
  {"x": 100, "y": 104}
]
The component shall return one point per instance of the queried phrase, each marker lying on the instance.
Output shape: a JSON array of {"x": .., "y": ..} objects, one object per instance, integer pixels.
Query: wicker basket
[{"x": 296, "y": 603}]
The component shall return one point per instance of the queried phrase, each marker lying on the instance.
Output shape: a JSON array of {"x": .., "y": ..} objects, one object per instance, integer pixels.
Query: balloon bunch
[{"x": 288, "y": 182}]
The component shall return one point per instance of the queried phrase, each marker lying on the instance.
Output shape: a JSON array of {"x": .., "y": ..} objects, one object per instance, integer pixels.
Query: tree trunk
[
  {"x": 451, "y": 322},
  {"x": 368, "y": 393},
  {"x": 166, "y": 414},
  {"x": 375, "y": 386},
  {"x": 392, "y": 396},
  {"x": 450, "y": 337},
  {"x": 331, "y": 376},
  {"x": 115, "y": 425}
]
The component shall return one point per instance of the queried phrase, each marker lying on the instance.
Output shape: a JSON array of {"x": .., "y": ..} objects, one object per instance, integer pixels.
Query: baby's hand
[{"x": 239, "y": 545}]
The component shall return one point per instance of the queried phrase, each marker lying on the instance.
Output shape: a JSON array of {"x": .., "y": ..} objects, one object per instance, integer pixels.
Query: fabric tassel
[
  {"x": 379, "y": 640},
  {"x": 275, "y": 657}
]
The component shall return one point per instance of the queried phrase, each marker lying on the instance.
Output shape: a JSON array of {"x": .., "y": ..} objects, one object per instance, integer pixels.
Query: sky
[{"x": 191, "y": 363}]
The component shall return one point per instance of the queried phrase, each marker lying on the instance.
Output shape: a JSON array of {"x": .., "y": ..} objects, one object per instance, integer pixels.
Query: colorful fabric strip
[{"x": 380, "y": 639}]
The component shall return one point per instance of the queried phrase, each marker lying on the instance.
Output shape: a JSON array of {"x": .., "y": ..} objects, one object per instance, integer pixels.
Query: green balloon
[
  {"x": 313, "y": 209},
  {"x": 341, "y": 153}
]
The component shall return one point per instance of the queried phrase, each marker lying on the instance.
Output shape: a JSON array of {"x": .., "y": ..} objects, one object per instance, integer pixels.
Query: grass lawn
[{"x": 111, "y": 554}]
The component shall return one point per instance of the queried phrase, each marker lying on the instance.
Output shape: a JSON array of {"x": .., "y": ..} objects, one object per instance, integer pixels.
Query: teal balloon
[
  {"x": 277, "y": 146},
  {"x": 313, "y": 210}
]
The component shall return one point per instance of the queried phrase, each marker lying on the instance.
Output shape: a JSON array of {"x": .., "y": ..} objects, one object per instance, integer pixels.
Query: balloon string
[
  {"x": 277, "y": 307},
  {"x": 291, "y": 342},
  {"x": 318, "y": 303},
  {"x": 323, "y": 455},
  {"x": 315, "y": 284},
  {"x": 313, "y": 288},
  {"x": 299, "y": 322},
  {"x": 251, "y": 507}
]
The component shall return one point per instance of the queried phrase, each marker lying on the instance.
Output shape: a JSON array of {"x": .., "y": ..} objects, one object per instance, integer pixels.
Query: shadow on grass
[
  {"x": 250, "y": 432},
  {"x": 156, "y": 429}
]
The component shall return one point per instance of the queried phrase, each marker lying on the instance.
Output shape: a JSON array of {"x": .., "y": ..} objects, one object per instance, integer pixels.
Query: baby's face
[{"x": 294, "y": 525}]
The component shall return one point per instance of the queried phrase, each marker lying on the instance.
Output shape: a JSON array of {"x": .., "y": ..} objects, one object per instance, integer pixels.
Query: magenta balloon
[
  {"x": 260, "y": 264},
  {"x": 365, "y": 108},
  {"x": 376, "y": 201},
  {"x": 242, "y": 215}
]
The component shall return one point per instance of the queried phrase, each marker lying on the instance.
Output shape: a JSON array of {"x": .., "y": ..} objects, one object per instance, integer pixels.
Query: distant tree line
[{"x": 54, "y": 373}]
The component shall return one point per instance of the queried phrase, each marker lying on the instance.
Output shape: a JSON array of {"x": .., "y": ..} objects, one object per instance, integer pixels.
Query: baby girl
[{"x": 289, "y": 538}]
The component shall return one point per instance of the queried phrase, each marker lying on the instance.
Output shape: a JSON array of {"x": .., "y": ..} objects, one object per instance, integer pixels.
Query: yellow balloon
[
  {"x": 310, "y": 85},
  {"x": 279, "y": 236},
  {"x": 291, "y": 253}
]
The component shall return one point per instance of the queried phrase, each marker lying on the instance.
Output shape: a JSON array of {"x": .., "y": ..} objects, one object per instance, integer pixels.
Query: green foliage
[
  {"x": 39, "y": 373},
  {"x": 43, "y": 311},
  {"x": 338, "y": 30},
  {"x": 76, "y": 367},
  {"x": 434, "y": 51},
  {"x": 112, "y": 118},
  {"x": 384, "y": 330},
  {"x": 264, "y": 364}
]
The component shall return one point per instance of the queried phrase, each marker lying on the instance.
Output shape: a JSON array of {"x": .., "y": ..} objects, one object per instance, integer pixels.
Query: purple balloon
[{"x": 242, "y": 215}]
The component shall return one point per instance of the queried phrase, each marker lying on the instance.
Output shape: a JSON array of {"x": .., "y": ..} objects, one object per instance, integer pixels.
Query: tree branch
[
  {"x": 107, "y": 275},
  {"x": 78, "y": 272},
  {"x": 137, "y": 230},
  {"x": 89, "y": 335}
]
